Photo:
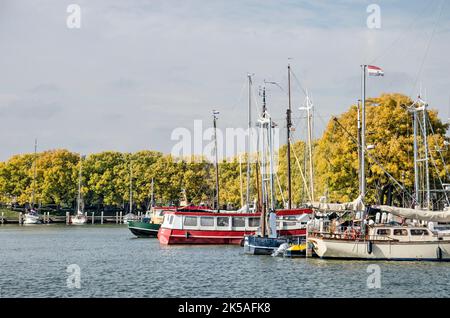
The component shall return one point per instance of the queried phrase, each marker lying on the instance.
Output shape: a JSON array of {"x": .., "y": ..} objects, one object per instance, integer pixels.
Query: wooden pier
[{"x": 92, "y": 218}]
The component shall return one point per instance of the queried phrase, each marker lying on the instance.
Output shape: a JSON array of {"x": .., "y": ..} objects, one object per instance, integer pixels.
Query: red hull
[{"x": 169, "y": 236}]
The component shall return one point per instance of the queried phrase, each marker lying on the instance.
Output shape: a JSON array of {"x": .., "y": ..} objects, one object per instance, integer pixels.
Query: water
[{"x": 34, "y": 260}]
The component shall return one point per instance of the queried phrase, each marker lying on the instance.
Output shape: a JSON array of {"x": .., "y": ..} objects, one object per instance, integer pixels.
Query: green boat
[
  {"x": 144, "y": 228},
  {"x": 150, "y": 224}
]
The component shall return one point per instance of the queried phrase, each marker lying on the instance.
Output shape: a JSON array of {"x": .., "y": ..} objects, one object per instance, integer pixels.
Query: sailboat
[
  {"x": 269, "y": 237},
  {"x": 79, "y": 218},
  {"x": 367, "y": 240},
  {"x": 130, "y": 215},
  {"x": 32, "y": 216}
]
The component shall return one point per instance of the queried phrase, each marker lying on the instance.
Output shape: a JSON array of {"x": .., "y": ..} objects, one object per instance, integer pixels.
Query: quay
[{"x": 92, "y": 218}]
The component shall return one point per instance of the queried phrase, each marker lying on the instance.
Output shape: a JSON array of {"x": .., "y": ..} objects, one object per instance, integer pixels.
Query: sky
[{"x": 136, "y": 70}]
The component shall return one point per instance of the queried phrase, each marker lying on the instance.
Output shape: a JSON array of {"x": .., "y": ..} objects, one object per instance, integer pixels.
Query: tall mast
[
  {"x": 79, "y": 184},
  {"x": 363, "y": 133},
  {"x": 131, "y": 187},
  {"x": 247, "y": 197},
  {"x": 240, "y": 181},
  {"x": 215, "y": 113},
  {"x": 416, "y": 163},
  {"x": 288, "y": 133},
  {"x": 311, "y": 169},
  {"x": 152, "y": 196},
  {"x": 34, "y": 174},
  {"x": 425, "y": 144}
]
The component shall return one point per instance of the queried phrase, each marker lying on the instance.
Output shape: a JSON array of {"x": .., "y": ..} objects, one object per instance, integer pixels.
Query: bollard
[
  {"x": 93, "y": 217},
  {"x": 101, "y": 218}
]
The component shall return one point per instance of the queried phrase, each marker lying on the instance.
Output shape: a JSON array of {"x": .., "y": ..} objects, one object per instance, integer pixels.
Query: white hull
[
  {"x": 381, "y": 250},
  {"x": 31, "y": 219},
  {"x": 79, "y": 219}
]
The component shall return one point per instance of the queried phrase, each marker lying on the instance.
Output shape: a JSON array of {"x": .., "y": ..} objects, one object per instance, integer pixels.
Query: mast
[
  {"x": 33, "y": 193},
  {"x": 131, "y": 187},
  {"x": 152, "y": 197},
  {"x": 79, "y": 184},
  {"x": 311, "y": 169},
  {"x": 215, "y": 113},
  {"x": 288, "y": 137},
  {"x": 425, "y": 144},
  {"x": 247, "y": 197},
  {"x": 240, "y": 181},
  {"x": 416, "y": 163}
]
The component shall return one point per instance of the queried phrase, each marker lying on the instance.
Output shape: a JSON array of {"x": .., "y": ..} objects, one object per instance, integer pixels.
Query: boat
[
  {"x": 383, "y": 242},
  {"x": 32, "y": 216},
  {"x": 145, "y": 228},
  {"x": 193, "y": 226},
  {"x": 79, "y": 218},
  {"x": 130, "y": 216},
  {"x": 366, "y": 239}
]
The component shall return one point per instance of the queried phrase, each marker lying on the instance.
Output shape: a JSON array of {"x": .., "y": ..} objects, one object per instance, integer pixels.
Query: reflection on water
[{"x": 34, "y": 259}]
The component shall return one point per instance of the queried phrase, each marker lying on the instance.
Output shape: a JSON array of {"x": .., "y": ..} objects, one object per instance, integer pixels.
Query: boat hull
[
  {"x": 143, "y": 229},
  {"x": 174, "y": 236},
  {"x": 79, "y": 220},
  {"x": 32, "y": 219},
  {"x": 255, "y": 245},
  {"x": 381, "y": 250}
]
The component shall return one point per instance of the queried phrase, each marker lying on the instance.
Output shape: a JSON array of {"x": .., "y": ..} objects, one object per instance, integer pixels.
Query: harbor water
[{"x": 37, "y": 261}]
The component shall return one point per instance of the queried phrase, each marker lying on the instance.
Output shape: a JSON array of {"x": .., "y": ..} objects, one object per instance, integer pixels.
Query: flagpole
[{"x": 363, "y": 133}]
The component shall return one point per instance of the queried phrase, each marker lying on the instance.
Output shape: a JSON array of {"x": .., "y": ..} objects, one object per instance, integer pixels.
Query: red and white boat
[{"x": 209, "y": 227}]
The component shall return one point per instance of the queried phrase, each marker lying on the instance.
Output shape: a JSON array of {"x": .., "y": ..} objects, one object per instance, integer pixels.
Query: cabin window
[
  {"x": 384, "y": 232},
  {"x": 190, "y": 221},
  {"x": 206, "y": 221},
  {"x": 418, "y": 232},
  {"x": 253, "y": 222},
  {"x": 171, "y": 219},
  {"x": 400, "y": 232},
  {"x": 223, "y": 221},
  {"x": 238, "y": 222}
]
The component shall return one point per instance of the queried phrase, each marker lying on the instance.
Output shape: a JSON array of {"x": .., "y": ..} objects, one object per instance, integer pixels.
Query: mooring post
[
  {"x": 117, "y": 218},
  {"x": 67, "y": 218},
  {"x": 20, "y": 218},
  {"x": 93, "y": 217},
  {"x": 120, "y": 217},
  {"x": 101, "y": 218},
  {"x": 3, "y": 217},
  {"x": 48, "y": 217}
]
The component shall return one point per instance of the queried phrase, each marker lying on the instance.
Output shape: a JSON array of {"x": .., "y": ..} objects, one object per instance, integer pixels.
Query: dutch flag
[{"x": 374, "y": 71}]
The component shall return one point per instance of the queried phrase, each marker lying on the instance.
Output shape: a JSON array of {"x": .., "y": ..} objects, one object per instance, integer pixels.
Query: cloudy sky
[{"x": 136, "y": 70}]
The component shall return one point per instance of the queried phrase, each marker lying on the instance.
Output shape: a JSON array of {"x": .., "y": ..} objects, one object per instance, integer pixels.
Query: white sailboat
[
  {"x": 130, "y": 216},
  {"x": 80, "y": 218},
  {"x": 32, "y": 216},
  {"x": 367, "y": 240}
]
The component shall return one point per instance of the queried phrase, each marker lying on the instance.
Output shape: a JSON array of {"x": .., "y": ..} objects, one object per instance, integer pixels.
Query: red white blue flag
[{"x": 374, "y": 71}]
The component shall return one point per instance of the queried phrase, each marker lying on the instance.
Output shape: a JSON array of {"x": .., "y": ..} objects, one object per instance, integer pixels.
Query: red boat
[{"x": 209, "y": 227}]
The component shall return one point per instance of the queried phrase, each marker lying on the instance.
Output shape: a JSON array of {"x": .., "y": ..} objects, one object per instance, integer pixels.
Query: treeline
[{"x": 106, "y": 175}]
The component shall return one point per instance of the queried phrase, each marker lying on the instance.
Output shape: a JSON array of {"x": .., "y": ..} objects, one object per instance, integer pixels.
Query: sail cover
[
  {"x": 356, "y": 205},
  {"x": 413, "y": 214}
]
